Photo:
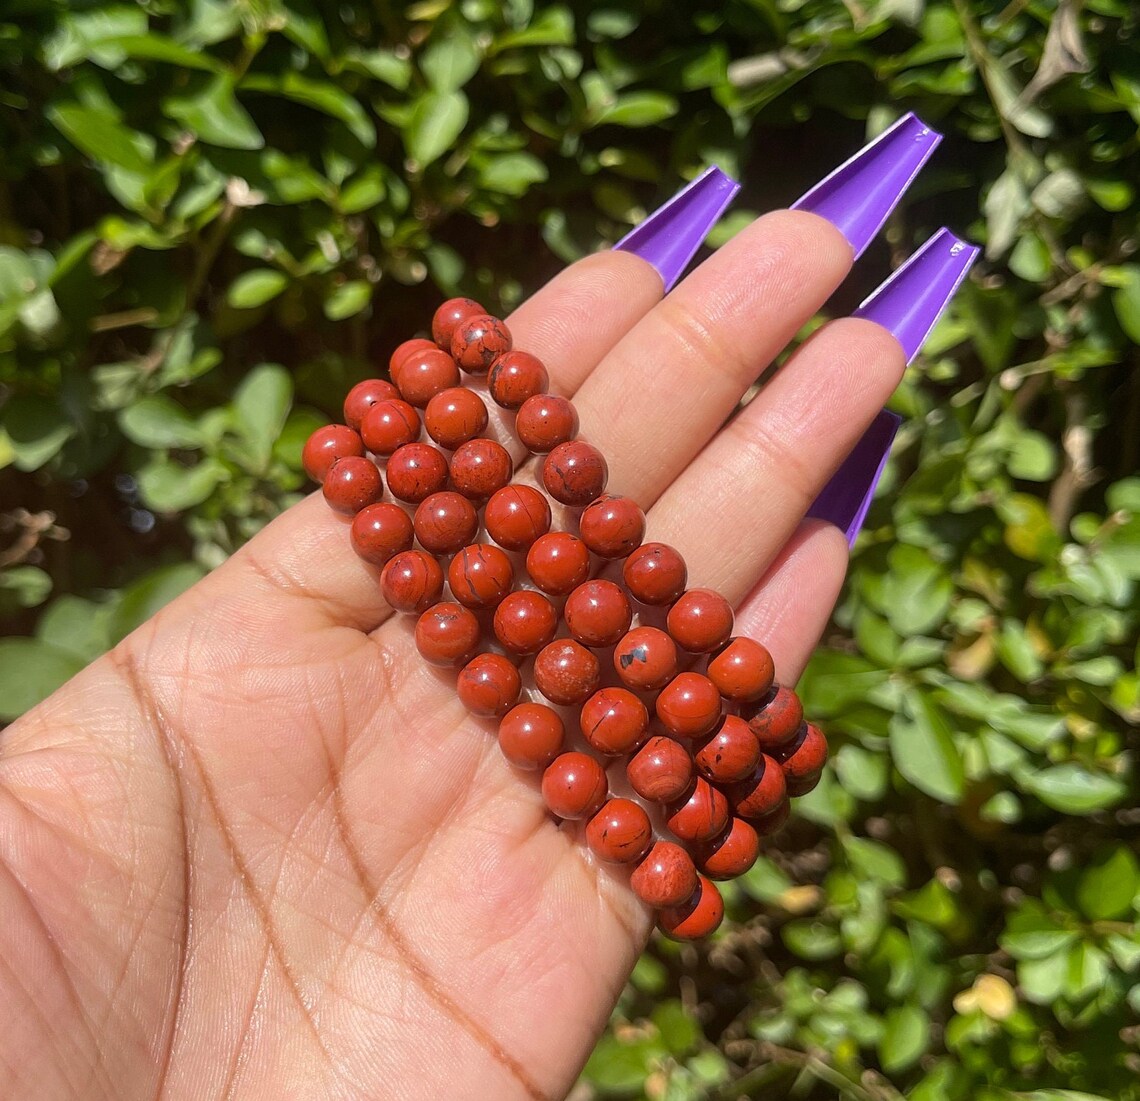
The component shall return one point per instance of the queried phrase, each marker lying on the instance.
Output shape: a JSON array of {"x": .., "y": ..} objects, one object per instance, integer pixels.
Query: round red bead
[
  {"x": 326, "y": 445},
  {"x": 388, "y": 425},
  {"x": 729, "y": 753},
  {"x": 620, "y": 832},
  {"x": 352, "y": 483},
  {"x": 455, "y": 416},
  {"x": 689, "y": 705},
  {"x": 699, "y": 813},
  {"x": 363, "y": 396},
  {"x": 445, "y": 522},
  {"x": 666, "y": 877},
  {"x": 700, "y": 620},
  {"x": 574, "y": 786},
  {"x": 416, "y": 471},
  {"x": 425, "y": 374},
  {"x": 447, "y": 634},
  {"x": 614, "y": 721},
  {"x": 598, "y": 613},
  {"x": 525, "y": 622},
  {"x": 516, "y": 376},
  {"x": 516, "y": 516},
  {"x": 695, "y": 918},
  {"x": 558, "y": 563},
  {"x": 479, "y": 467},
  {"x": 575, "y": 473},
  {"x": 488, "y": 685},
  {"x": 402, "y": 352},
  {"x": 477, "y": 341},
  {"x": 741, "y": 669},
  {"x": 544, "y": 421},
  {"x": 412, "y": 581},
  {"x": 612, "y": 526},
  {"x": 565, "y": 672},
  {"x": 774, "y": 820},
  {"x": 760, "y": 792},
  {"x": 802, "y": 760},
  {"x": 449, "y": 316},
  {"x": 731, "y": 853},
  {"x": 480, "y": 576},
  {"x": 381, "y": 531},
  {"x": 661, "y": 770},
  {"x": 655, "y": 574},
  {"x": 531, "y": 735},
  {"x": 778, "y": 718},
  {"x": 645, "y": 659}
]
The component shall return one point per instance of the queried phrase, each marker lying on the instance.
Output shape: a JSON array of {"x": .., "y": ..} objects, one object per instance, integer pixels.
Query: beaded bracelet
[{"x": 725, "y": 747}]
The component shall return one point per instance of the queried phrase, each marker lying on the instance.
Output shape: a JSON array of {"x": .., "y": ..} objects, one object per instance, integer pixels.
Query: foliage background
[{"x": 215, "y": 216}]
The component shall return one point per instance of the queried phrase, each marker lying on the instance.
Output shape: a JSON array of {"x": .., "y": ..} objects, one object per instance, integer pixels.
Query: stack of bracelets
[{"x": 693, "y": 710}]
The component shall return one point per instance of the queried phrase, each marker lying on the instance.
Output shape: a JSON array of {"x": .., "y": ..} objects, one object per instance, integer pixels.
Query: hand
[{"x": 260, "y": 851}]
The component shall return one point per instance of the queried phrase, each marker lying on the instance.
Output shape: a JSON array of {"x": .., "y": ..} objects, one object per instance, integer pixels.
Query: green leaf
[
  {"x": 1126, "y": 303},
  {"x": 905, "y": 1036},
  {"x": 637, "y": 109},
  {"x": 552, "y": 27},
  {"x": 37, "y": 429},
  {"x": 30, "y": 671},
  {"x": 1108, "y": 884},
  {"x": 321, "y": 95},
  {"x": 620, "y": 1067},
  {"x": 1033, "y": 457},
  {"x": 436, "y": 121},
  {"x": 871, "y": 860},
  {"x": 254, "y": 288},
  {"x": 261, "y": 404},
  {"x": 679, "y": 1031},
  {"x": 1073, "y": 789},
  {"x": 450, "y": 60},
  {"x": 156, "y": 47},
  {"x": 923, "y": 748},
  {"x": 348, "y": 299},
  {"x": 170, "y": 487},
  {"x": 29, "y": 585},
  {"x": 916, "y": 593},
  {"x": 513, "y": 173},
  {"x": 1032, "y": 934},
  {"x": 76, "y": 626},
  {"x": 812, "y": 939},
  {"x": 213, "y": 113},
  {"x": 101, "y": 136},
  {"x": 158, "y": 422},
  {"x": 144, "y": 597}
]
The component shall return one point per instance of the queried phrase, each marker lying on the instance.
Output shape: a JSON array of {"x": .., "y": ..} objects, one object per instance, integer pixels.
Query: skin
[{"x": 259, "y": 851}]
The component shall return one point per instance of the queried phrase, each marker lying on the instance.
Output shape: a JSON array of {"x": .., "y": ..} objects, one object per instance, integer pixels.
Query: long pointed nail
[
  {"x": 669, "y": 238},
  {"x": 858, "y": 197},
  {"x": 913, "y": 298},
  {"x": 845, "y": 499}
]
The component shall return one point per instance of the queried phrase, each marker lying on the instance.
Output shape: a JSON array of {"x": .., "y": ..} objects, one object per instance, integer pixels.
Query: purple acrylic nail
[
  {"x": 845, "y": 499},
  {"x": 860, "y": 194},
  {"x": 910, "y": 302},
  {"x": 669, "y": 238}
]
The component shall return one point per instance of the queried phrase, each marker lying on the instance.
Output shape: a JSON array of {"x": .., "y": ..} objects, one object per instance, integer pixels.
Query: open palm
[{"x": 260, "y": 851}]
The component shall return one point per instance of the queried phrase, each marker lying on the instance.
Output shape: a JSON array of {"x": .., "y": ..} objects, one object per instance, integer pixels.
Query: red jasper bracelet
[{"x": 650, "y": 664}]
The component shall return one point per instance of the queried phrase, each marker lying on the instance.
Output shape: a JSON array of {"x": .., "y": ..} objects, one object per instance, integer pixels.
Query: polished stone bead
[
  {"x": 741, "y": 669},
  {"x": 445, "y": 522},
  {"x": 480, "y": 575},
  {"x": 575, "y": 473},
  {"x": 689, "y": 705},
  {"x": 479, "y": 467},
  {"x": 412, "y": 581},
  {"x": 352, "y": 483},
  {"x": 661, "y": 770},
  {"x": 416, "y": 471},
  {"x": 803, "y": 759},
  {"x": 477, "y": 341},
  {"x": 700, "y": 621},
  {"x": 531, "y": 735},
  {"x": 447, "y": 634},
  {"x": 488, "y": 685},
  {"x": 729, "y": 753},
  {"x": 565, "y": 672},
  {"x": 620, "y": 832},
  {"x": 381, "y": 531},
  {"x": 759, "y": 792},
  {"x": 525, "y": 622},
  {"x": 363, "y": 396},
  {"x": 544, "y": 421},
  {"x": 699, "y": 813},
  {"x": 388, "y": 425},
  {"x": 326, "y": 445},
  {"x": 455, "y": 416},
  {"x": 665, "y": 877},
  {"x": 614, "y": 721},
  {"x": 449, "y": 316},
  {"x": 516, "y": 376},
  {"x": 774, "y": 820},
  {"x": 612, "y": 526},
  {"x": 558, "y": 563},
  {"x": 645, "y": 659},
  {"x": 574, "y": 786},
  {"x": 425, "y": 374},
  {"x": 517, "y": 515},
  {"x": 697, "y": 917},
  {"x": 598, "y": 613},
  {"x": 730, "y": 853},
  {"x": 777, "y": 718},
  {"x": 402, "y": 352},
  {"x": 655, "y": 574}
]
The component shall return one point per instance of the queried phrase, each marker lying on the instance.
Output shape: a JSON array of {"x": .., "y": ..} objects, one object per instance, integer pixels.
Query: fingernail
[
  {"x": 860, "y": 194},
  {"x": 845, "y": 499},
  {"x": 910, "y": 302},
  {"x": 669, "y": 238}
]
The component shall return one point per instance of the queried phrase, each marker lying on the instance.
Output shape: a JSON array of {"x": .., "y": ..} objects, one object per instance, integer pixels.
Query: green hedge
[{"x": 215, "y": 216}]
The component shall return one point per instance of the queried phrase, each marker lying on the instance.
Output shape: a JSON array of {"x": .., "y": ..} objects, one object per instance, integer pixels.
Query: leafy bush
[{"x": 214, "y": 217}]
